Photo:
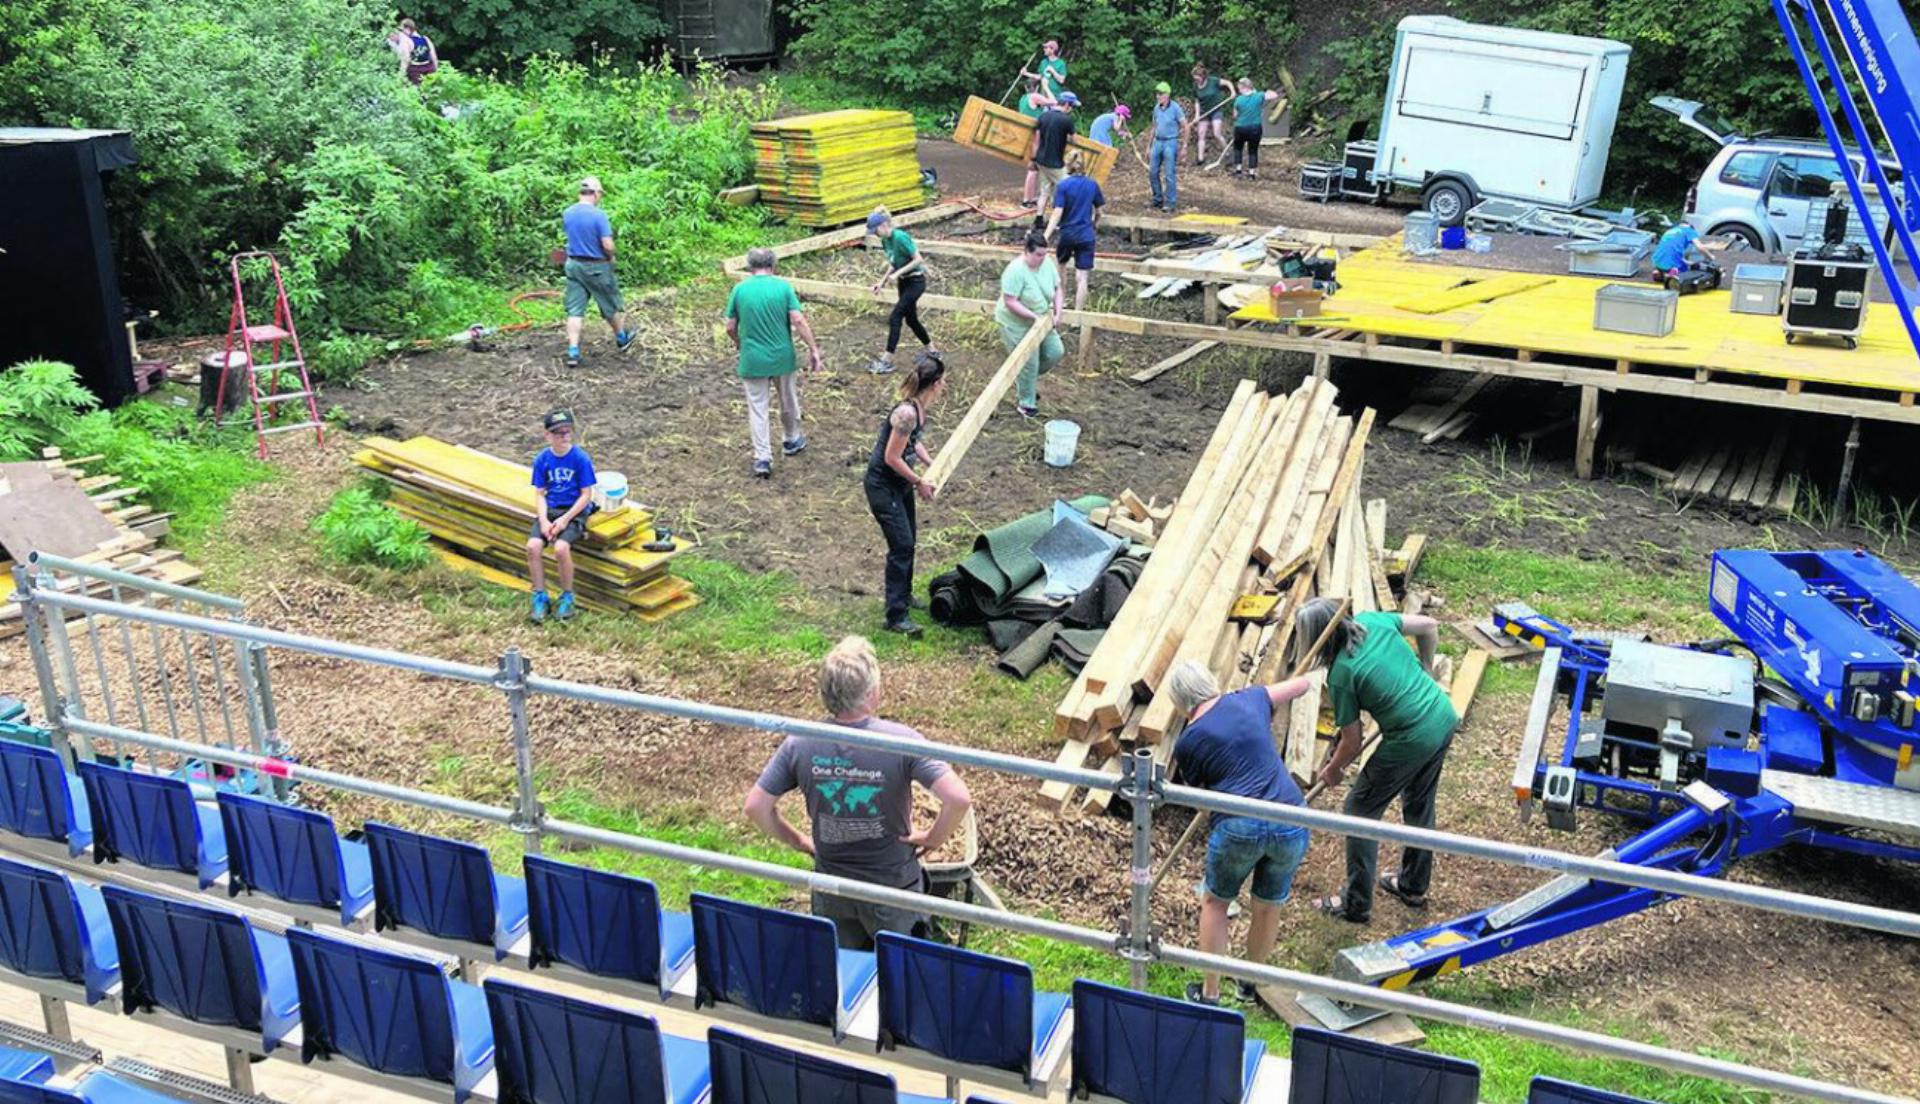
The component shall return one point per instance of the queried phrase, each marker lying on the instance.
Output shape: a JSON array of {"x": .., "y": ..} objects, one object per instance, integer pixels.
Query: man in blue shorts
[
  {"x": 1228, "y": 747},
  {"x": 1076, "y": 211},
  {"x": 562, "y": 500},
  {"x": 590, "y": 270}
]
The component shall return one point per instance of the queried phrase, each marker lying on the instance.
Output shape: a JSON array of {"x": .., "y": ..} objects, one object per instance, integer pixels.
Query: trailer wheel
[{"x": 1448, "y": 201}]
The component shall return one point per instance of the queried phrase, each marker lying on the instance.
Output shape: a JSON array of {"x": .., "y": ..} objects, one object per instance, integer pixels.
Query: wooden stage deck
[{"x": 1383, "y": 293}]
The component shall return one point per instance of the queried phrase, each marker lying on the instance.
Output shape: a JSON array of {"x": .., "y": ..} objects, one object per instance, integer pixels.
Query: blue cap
[
  {"x": 1069, "y": 99},
  {"x": 874, "y": 220}
]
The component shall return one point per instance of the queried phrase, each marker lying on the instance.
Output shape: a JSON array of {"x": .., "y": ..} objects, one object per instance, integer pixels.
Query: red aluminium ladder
[{"x": 269, "y": 384}]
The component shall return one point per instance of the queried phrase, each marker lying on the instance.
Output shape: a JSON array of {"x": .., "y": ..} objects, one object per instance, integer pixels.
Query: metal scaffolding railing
[{"x": 1142, "y": 782}]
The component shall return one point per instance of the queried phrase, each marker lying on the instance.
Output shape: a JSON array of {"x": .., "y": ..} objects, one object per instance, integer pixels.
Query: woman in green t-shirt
[
  {"x": 1371, "y": 669},
  {"x": 1248, "y": 127},
  {"x": 908, "y": 270},
  {"x": 1029, "y": 289},
  {"x": 1209, "y": 93}
]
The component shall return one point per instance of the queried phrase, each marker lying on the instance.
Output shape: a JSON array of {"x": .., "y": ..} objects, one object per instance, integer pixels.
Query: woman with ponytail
[
  {"x": 1372, "y": 669},
  {"x": 892, "y": 485}
]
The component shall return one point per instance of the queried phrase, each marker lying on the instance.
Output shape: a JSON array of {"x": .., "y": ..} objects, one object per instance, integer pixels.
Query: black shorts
[
  {"x": 576, "y": 529},
  {"x": 1080, "y": 253}
]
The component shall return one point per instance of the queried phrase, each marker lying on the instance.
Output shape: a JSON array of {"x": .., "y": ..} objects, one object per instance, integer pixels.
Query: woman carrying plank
[
  {"x": 908, "y": 270},
  {"x": 893, "y": 486}
]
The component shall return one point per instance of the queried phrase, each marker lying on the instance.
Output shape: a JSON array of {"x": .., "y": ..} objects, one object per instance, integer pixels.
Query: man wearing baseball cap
[
  {"x": 1169, "y": 133},
  {"x": 563, "y": 482},
  {"x": 1048, "y": 155},
  {"x": 590, "y": 269}
]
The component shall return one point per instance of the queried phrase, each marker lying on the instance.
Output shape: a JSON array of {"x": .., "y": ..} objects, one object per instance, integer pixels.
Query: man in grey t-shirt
[{"x": 860, "y": 801}]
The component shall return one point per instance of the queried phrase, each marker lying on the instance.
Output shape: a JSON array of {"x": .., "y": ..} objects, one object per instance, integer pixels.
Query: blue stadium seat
[
  {"x": 55, "y": 931},
  {"x": 553, "y": 1049},
  {"x": 152, "y": 820},
  {"x": 393, "y": 1013},
  {"x": 29, "y": 1066},
  {"x": 295, "y": 856},
  {"x": 40, "y": 800},
  {"x": 1144, "y": 1049},
  {"x": 968, "y": 1008},
  {"x": 750, "y": 1071},
  {"x": 98, "y": 1087},
  {"x": 445, "y": 889},
  {"x": 1337, "y": 1069},
  {"x": 604, "y": 924},
  {"x": 1548, "y": 1090},
  {"x": 776, "y": 964},
  {"x": 205, "y": 965}
]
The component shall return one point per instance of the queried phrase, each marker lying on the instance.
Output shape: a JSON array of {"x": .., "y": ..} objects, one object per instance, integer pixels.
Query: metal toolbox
[
  {"x": 1758, "y": 288},
  {"x": 1319, "y": 180},
  {"x": 1620, "y": 253},
  {"x": 1631, "y": 308},
  {"x": 1356, "y": 173},
  {"x": 1827, "y": 293}
]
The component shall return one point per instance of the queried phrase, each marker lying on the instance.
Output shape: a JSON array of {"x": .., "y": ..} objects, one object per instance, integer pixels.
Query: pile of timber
[
  {"x": 834, "y": 167},
  {"x": 479, "y": 509},
  {"x": 1273, "y": 510},
  {"x": 53, "y": 506},
  {"x": 1134, "y": 520}
]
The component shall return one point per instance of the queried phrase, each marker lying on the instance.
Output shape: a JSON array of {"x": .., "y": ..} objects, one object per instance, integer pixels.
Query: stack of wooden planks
[
  {"x": 479, "y": 509},
  {"x": 53, "y": 506},
  {"x": 834, "y": 167},
  {"x": 1272, "y": 508}
]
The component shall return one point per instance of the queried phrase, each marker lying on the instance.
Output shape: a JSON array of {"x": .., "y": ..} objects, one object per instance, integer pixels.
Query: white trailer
[{"x": 1476, "y": 112}]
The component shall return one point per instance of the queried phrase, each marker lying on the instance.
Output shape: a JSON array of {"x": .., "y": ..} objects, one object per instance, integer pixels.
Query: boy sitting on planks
[{"x": 563, "y": 482}]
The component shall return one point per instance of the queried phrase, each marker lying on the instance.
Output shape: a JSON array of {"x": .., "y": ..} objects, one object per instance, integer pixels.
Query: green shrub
[
  {"x": 488, "y": 32},
  {"x": 339, "y": 358},
  {"x": 181, "y": 464},
  {"x": 40, "y": 401},
  {"x": 359, "y": 528}
]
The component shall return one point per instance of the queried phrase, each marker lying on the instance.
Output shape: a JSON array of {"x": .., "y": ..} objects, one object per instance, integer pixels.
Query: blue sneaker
[
  {"x": 563, "y": 609},
  {"x": 540, "y": 605},
  {"x": 573, "y": 356},
  {"x": 623, "y": 339}
]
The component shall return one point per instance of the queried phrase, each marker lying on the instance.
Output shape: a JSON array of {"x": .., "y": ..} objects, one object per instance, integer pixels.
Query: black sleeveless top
[{"x": 877, "y": 463}]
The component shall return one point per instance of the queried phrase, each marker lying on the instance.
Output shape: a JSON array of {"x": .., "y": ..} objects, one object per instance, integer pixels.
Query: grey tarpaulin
[{"x": 1073, "y": 553}]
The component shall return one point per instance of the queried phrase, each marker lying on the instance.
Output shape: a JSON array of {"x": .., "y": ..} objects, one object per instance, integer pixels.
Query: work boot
[
  {"x": 563, "y": 609},
  {"x": 539, "y": 611},
  {"x": 794, "y": 446}
]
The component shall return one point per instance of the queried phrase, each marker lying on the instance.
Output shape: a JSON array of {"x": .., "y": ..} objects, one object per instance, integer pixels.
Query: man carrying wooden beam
[
  {"x": 1228, "y": 747},
  {"x": 1029, "y": 286},
  {"x": 1371, "y": 668}
]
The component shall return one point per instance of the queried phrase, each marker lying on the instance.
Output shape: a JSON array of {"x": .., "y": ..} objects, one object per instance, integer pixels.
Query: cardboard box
[{"x": 1296, "y": 299}]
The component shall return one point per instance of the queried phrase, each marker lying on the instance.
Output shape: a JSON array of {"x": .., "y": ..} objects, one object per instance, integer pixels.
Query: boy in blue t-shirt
[{"x": 563, "y": 498}]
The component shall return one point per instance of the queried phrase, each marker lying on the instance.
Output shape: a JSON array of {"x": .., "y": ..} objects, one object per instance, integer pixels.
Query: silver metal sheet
[{"x": 1882, "y": 808}]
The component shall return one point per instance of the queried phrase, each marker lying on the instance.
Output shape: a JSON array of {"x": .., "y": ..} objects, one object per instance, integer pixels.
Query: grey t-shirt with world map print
[{"x": 860, "y": 800}]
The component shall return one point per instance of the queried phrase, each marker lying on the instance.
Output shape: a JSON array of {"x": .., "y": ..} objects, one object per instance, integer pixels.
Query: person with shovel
[
  {"x": 1228, "y": 747},
  {"x": 1371, "y": 668}
]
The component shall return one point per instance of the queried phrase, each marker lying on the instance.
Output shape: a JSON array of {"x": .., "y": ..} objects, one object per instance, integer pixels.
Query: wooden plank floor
[{"x": 1376, "y": 285}]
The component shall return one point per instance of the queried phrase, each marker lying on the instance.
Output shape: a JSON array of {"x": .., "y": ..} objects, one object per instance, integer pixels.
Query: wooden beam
[
  {"x": 1148, "y": 375},
  {"x": 1287, "y": 233},
  {"x": 1586, "y": 432},
  {"x": 1466, "y": 681},
  {"x": 961, "y": 439},
  {"x": 831, "y": 238},
  {"x": 1212, "y": 277},
  {"x": 1759, "y": 393}
]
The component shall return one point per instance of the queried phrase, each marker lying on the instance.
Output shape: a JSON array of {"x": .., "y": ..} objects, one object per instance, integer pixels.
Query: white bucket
[
  {"x": 610, "y": 492},
  {"x": 1062, "y": 438}
]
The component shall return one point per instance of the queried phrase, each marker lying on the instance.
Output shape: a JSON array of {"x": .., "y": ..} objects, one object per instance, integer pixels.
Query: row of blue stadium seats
[{"x": 968, "y": 1011}]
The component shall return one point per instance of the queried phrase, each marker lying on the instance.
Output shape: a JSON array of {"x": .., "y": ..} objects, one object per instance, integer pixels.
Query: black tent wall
[{"x": 59, "y": 295}]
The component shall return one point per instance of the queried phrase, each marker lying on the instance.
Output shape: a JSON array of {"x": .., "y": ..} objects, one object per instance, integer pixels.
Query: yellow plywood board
[
  {"x": 1554, "y": 314},
  {"x": 685, "y": 600},
  {"x": 1478, "y": 291},
  {"x": 1007, "y": 134},
  {"x": 500, "y": 481}
]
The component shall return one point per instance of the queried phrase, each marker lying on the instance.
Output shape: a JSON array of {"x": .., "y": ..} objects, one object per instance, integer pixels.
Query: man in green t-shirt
[
  {"x": 762, "y": 315},
  {"x": 1371, "y": 668},
  {"x": 1053, "y": 69},
  {"x": 1028, "y": 288}
]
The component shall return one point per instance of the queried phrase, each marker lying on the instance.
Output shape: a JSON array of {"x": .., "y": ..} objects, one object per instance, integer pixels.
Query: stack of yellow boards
[
  {"x": 835, "y": 167},
  {"x": 479, "y": 509}
]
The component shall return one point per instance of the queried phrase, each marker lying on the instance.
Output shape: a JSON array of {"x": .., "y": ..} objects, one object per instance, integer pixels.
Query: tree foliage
[
  {"x": 478, "y": 33},
  {"x": 397, "y": 209}
]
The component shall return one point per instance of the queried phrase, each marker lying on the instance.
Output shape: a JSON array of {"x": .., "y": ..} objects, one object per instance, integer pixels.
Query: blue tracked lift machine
[{"x": 1798, "y": 730}]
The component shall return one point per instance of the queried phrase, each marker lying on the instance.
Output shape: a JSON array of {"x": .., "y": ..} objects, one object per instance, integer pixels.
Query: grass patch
[
  {"x": 181, "y": 465},
  {"x": 1587, "y": 594}
]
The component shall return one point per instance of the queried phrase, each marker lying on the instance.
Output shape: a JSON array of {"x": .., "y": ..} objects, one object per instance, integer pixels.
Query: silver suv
[{"x": 1761, "y": 189}]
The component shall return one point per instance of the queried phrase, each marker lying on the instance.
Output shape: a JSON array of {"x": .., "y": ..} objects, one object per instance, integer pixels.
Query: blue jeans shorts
[{"x": 1239, "y": 846}]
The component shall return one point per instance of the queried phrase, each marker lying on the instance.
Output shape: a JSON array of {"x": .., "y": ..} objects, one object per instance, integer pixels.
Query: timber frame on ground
[{"x": 1593, "y": 377}]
